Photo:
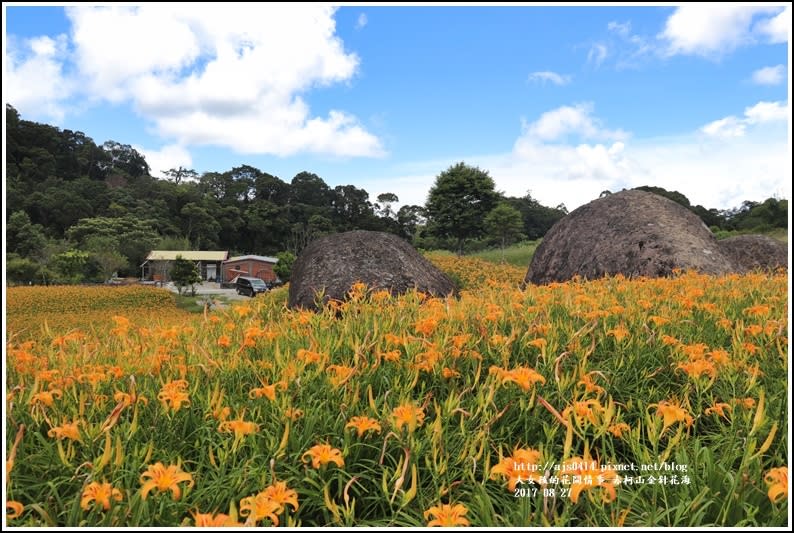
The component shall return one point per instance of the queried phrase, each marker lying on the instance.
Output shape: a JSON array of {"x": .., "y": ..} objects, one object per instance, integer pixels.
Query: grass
[
  {"x": 686, "y": 376},
  {"x": 519, "y": 254},
  {"x": 780, "y": 234}
]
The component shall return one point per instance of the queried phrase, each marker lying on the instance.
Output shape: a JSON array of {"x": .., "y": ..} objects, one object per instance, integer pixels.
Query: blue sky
[{"x": 561, "y": 101}]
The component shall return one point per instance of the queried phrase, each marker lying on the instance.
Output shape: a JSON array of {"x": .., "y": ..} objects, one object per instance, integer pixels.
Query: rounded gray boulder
[
  {"x": 755, "y": 252},
  {"x": 332, "y": 264},
  {"x": 633, "y": 233}
]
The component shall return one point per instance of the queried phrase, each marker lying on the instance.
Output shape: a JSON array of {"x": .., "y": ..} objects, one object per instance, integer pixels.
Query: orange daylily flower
[
  {"x": 538, "y": 343},
  {"x": 239, "y": 427},
  {"x": 719, "y": 409},
  {"x": 322, "y": 454},
  {"x": 525, "y": 377},
  {"x": 522, "y": 466},
  {"x": 164, "y": 478},
  {"x": 68, "y": 430},
  {"x": 268, "y": 391},
  {"x": 46, "y": 398},
  {"x": 211, "y": 520},
  {"x": 282, "y": 495},
  {"x": 449, "y": 373},
  {"x": 409, "y": 415},
  {"x": 16, "y": 509},
  {"x": 100, "y": 494},
  {"x": 619, "y": 333},
  {"x": 173, "y": 395},
  {"x": 700, "y": 366},
  {"x": 618, "y": 429},
  {"x": 259, "y": 507},
  {"x": 340, "y": 374},
  {"x": 777, "y": 480},
  {"x": 589, "y": 385},
  {"x": 363, "y": 424},
  {"x": 293, "y": 413},
  {"x": 672, "y": 413},
  {"x": 447, "y": 515},
  {"x": 590, "y": 410}
]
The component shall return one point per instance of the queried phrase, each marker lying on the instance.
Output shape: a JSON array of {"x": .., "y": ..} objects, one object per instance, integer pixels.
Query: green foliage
[
  {"x": 185, "y": 273},
  {"x": 21, "y": 270},
  {"x": 283, "y": 268},
  {"x": 70, "y": 266},
  {"x": 504, "y": 224},
  {"x": 105, "y": 255},
  {"x": 23, "y": 237},
  {"x": 459, "y": 201}
]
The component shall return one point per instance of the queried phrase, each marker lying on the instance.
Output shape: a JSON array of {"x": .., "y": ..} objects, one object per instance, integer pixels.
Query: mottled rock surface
[
  {"x": 755, "y": 252},
  {"x": 332, "y": 264},
  {"x": 634, "y": 233}
]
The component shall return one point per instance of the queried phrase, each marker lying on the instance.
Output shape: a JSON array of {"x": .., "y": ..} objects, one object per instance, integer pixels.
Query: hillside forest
[{"x": 77, "y": 211}]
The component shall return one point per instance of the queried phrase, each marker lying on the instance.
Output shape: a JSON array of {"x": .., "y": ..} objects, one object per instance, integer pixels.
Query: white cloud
[
  {"x": 235, "y": 76},
  {"x": 361, "y": 21},
  {"x": 712, "y": 31},
  {"x": 766, "y": 112},
  {"x": 166, "y": 158},
  {"x": 35, "y": 83},
  {"x": 760, "y": 113},
  {"x": 725, "y": 128},
  {"x": 713, "y": 172},
  {"x": 575, "y": 120},
  {"x": 778, "y": 28},
  {"x": 768, "y": 75},
  {"x": 597, "y": 54},
  {"x": 547, "y": 75},
  {"x": 621, "y": 28}
]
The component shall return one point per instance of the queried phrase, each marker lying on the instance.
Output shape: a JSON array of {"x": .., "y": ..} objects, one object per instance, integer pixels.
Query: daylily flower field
[{"x": 649, "y": 402}]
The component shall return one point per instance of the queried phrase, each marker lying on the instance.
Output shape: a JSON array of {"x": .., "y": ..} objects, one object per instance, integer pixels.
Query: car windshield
[{"x": 257, "y": 283}]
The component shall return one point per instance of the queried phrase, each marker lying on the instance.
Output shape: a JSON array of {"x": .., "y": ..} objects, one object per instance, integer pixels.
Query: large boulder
[
  {"x": 381, "y": 260},
  {"x": 755, "y": 252},
  {"x": 634, "y": 233}
]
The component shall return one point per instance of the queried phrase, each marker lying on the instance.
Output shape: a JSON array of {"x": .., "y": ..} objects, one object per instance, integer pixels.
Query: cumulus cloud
[
  {"x": 166, "y": 158},
  {"x": 234, "y": 76},
  {"x": 760, "y": 113},
  {"x": 549, "y": 76},
  {"x": 719, "y": 172},
  {"x": 768, "y": 75},
  {"x": 36, "y": 84},
  {"x": 777, "y": 28},
  {"x": 577, "y": 120},
  {"x": 361, "y": 21},
  {"x": 712, "y": 31}
]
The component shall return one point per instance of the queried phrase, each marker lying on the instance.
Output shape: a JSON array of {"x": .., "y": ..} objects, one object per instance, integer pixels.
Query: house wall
[
  {"x": 258, "y": 269},
  {"x": 158, "y": 270}
]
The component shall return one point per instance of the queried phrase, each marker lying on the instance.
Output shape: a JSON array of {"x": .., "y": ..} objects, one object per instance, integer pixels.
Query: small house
[
  {"x": 256, "y": 266},
  {"x": 159, "y": 262}
]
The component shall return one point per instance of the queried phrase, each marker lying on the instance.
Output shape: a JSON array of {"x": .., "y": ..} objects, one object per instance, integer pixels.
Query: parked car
[{"x": 250, "y": 286}]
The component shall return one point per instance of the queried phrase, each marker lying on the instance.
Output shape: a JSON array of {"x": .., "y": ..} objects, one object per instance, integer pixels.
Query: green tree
[
  {"x": 23, "y": 237},
  {"x": 409, "y": 218},
  {"x": 21, "y": 270},
  {"x": 104, "y": 253},
  {"x": 458, "y": 202},
  {"x": 70, "y": 266},
  {"x": 504, "y": 223},
  {"x": 283, "y": 268},
  {"x": 185, "y": 273}
]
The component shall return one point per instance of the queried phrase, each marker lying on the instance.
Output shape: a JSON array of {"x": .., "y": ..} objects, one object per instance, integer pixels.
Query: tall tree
[
  {"x": 504, "y": 223},
  {"x": 458, "y": 202}
]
